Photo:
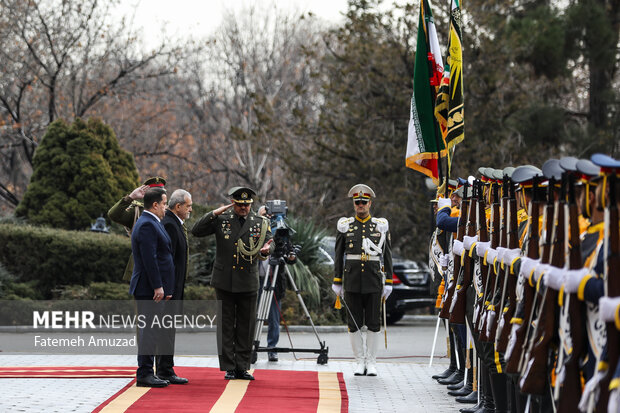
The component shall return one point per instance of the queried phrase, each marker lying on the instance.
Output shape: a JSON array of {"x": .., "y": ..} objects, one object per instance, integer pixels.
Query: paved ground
[{"x": 403, "y": 384}]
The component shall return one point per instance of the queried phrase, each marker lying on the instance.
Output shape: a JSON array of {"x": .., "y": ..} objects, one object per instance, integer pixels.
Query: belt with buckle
[{"x": 362, "y": 257}]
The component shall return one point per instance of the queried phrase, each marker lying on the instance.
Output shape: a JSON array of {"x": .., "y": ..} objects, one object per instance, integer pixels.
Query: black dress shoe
[
  {"x": 174, "y": 379},
  {"x": 472, "y": 409},
  {"x": 273, "y": 356},
  {"x": 230, "y": 375},
  {"x": 463, "y": 391},
  {"x": 456, "y": 386},
  {"x": 151, "y": 381},
  {"x": 444, "y": 374},
  {"x": 454, "y": 378},
  {"x": 243, "y": 375},
  {"x": 470, "y": 398}
]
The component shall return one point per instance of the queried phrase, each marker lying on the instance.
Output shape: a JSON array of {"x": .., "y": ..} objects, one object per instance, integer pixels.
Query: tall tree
[{"x": 62, "y": 58}]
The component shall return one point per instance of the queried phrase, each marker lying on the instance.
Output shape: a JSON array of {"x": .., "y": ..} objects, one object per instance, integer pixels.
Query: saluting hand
[
  {"x": 139, "y": 192},
  {"x": 222, "y": 209}
]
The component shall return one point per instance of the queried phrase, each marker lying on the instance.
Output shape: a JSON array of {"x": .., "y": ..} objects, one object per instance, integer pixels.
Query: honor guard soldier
[
  {"x": 363, "y": 266},
  {"x": 129, "y": 208},
  {"x": 242, "y": 239}
]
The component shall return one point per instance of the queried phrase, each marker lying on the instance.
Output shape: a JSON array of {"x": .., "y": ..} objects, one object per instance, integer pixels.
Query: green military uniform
[
  {"x": 127, "y": 211},
  {"x": 362, "y": 246},
  {"x": 235, "y": 276}
]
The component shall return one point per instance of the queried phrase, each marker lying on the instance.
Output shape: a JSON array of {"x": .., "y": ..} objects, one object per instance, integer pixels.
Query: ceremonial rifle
[
  {"x": 483, "y": 236},
  {"x": 510, "y": 282},
  {"x": 612, "y": 287},
  {"x": 569, "y": 389},
  {"x": 459, "y": 302},
  {"x": 535, "y": 374},
  {"x": 488, "y": 294},
  {"x": 525, "y": 307},
  {"x": 545, "y": 254},
  {"x": 460, "y": 233},
  {"x": 492, "y": 320}
]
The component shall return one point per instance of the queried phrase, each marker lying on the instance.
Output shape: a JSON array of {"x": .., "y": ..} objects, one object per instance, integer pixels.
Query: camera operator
[
  {"x": 362, "y": 245},
  {"x": 273, "y": 330}
]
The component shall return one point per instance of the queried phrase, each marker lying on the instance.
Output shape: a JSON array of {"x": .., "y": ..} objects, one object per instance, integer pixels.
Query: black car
[
  {"x": 411, "y": 283},
  {"x": 411, "y": 288}
]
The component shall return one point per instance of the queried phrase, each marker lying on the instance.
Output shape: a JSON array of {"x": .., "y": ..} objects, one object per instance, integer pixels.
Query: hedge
[{"x": 54, "y": 258}]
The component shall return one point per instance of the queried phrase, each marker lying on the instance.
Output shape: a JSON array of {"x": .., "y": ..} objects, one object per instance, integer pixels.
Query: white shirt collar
[
  {"x": 180, "y": 220},
  {"x": 156, "y": 217}
]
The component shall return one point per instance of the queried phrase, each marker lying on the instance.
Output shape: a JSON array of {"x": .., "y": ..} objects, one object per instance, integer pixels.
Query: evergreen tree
[{"x": 80, "y": 171}]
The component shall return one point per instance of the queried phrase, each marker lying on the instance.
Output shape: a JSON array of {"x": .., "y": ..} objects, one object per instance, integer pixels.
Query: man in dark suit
[
  {"x": 179, "y": 208},
  {"x": 152, "y": 280},
  {"x": 242, "y": 239}
]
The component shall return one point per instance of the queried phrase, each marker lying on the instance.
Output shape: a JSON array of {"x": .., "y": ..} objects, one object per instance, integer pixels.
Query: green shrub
[
  {"x": 79, "y": 172},
  {"x": 21, "y": 291},
  {"x": 53, "y": 258},
  {"x": 94, "y": 291},
  {"x": 198, "y": 292}
]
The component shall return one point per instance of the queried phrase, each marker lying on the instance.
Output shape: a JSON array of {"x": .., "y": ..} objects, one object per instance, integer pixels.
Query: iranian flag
[{"x": 424, "y": 142}]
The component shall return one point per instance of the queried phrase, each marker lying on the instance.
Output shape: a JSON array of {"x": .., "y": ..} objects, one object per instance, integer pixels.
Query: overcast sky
[{"x": 201, "y": 17}]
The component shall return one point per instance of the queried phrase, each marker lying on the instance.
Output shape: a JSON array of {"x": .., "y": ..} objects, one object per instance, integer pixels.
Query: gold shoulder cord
[{"x": 249, "y": 254}]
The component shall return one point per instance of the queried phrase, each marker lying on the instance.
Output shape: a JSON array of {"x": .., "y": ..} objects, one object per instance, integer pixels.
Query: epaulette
[
  {"x": 343, "y": 224},
  {"x": 381, "y": 223},
  {"x": 455, "y": 212}
]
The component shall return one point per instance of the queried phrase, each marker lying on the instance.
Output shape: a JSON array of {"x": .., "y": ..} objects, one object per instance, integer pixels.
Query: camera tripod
[{"x": 266, "y": 298}]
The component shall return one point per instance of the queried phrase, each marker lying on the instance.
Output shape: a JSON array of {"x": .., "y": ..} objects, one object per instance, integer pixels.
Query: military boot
[
  {"x": 466, "y": 388},
  {"x": 358, "y": 352},
  {"x": 452, "y": 367},
  {"x": 372, "y": 343},
  {"x": 499, "y": 387},
  {"x": 459, "y": 374}
]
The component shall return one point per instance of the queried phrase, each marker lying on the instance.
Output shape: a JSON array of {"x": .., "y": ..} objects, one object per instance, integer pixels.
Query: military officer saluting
[
  {"x": 363, "y": 266},
  {"x": 129, "y": 208},
  {"x": 242, "y": 239}
]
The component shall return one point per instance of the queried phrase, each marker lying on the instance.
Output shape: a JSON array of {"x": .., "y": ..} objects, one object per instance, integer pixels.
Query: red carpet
[
  {"x": 273, "y": 391},
  {"x": 67, "y": 372}
]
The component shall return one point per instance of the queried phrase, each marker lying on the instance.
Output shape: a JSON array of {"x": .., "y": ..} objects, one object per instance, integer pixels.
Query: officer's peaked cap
[
  {"x": 155, "y": 181},
  {"x": 241, "y": 194},
  {"x": 552, "y": 169},
  {"x": 361, "y": 191}
]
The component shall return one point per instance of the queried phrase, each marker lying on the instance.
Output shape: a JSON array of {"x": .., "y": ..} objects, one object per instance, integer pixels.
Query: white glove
[
  {"x": 554, "y": 277},
  {"x": 491, "y": 255},
  {"x": 511, "y": 255},
  {"x": 527, "y": 266},
  {"x": 538, "y": 271},
  {"x": 573, "y": 279},
  {"x": 443, "y": 202},
  {"x": 468, "y": 242},
  {"x": 591, "y": 389},
  {"x": 387, "y": 290},
  {"x": 457, "y": 247},
  {"x": 482, "y": 247},
  {"x": 614, "y": 400},
  {"x": 607, "y": 307},
  {"x": 501, "y": 251},
  {"x": 443, "y": 260},
  {"x": 337, "y": 288}
]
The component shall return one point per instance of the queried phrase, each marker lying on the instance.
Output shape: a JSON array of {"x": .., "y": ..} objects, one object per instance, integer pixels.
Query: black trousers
[
  {"x": 366, "y": 309},
  {"x": 235, "y": 329},
  {"x": 153, "y": 340}
]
